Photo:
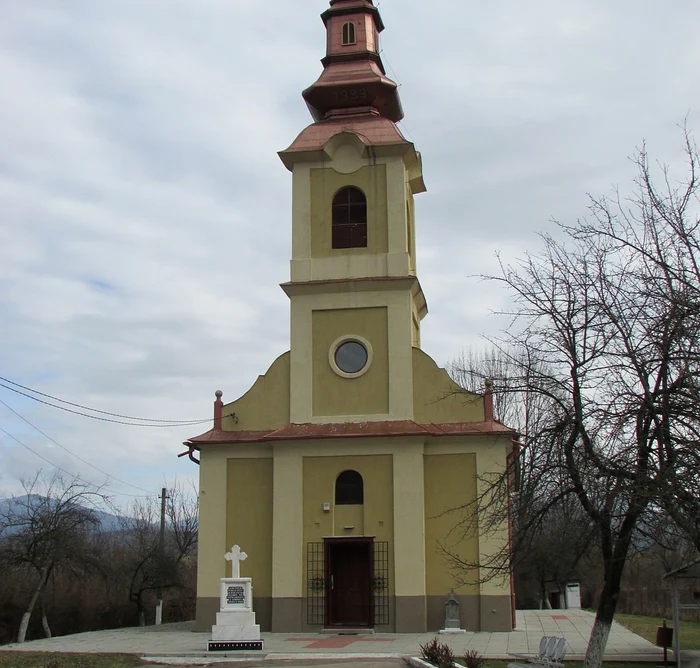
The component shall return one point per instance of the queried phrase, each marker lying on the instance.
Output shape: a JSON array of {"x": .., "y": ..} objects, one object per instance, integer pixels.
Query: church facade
[{"x": 335, "y": 470}]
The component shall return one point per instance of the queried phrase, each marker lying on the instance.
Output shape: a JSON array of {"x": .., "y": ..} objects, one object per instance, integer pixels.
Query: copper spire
[{"x": 353, "y": 81}]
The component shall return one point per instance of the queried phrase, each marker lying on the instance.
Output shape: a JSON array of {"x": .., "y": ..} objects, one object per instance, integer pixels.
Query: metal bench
[{"x": 550, "y": 654}]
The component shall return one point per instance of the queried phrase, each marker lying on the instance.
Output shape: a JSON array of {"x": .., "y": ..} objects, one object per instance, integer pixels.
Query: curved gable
[
  {"x": 265, "y": 406},
  {"x": 437, "y": 398}
]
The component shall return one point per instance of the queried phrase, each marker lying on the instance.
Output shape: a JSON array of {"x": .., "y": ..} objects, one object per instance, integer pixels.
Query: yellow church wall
[
  {"x": 301, "y": 215},
  {"x": 450, "y": 482},
  {"x": 349, "y": 520},
  {"x": 416, "y": 477},
  {"x": 409, "y": 537},
  {"x": 398, "y": 260},
  {"x": 214, "y": 533},
  {"x": 411, "y": 230},
  {"x": 492, "y": 459},
  {"x": 265, "y": 405},
  {"x": 249, "y": 518},
  {"x": 213, "y": 486},
  {"x": 365, "y": 395},
  {"x": 376, "y": 514},
  {"x": 390, "y": 258},
  {"x": 437, "y": 398},
  {"x": 398, "y": 304},
  {"x": 324, "y": 185},
  {"x": 287, "y": 547}
]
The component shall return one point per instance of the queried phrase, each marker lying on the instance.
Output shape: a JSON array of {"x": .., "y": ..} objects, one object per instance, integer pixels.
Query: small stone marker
[{"x": 452, "y": 620}]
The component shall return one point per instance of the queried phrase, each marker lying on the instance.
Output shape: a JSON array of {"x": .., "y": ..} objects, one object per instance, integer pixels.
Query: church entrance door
[{"x": 349, "y": 582}]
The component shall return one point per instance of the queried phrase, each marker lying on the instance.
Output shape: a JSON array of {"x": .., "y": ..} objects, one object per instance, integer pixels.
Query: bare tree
[
  {"x": 182, "y": 512},
  {"x": 48, "y": 529},
  {"x": 145, "y": 566},
  {"x": 609, "y": 318},
  {"x": 549, "y": 534}
]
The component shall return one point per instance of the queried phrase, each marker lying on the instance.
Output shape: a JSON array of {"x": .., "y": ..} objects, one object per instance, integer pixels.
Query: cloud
[{"x": 146, "y": 217}]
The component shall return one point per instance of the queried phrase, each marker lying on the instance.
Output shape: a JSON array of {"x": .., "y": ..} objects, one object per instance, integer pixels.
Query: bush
[
  {"x": 472, "y": 659},
  {"x": 437, "y": 653}
]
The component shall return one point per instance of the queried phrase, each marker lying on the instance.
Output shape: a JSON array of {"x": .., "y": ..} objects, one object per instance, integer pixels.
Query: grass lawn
[
  {"x": 646, "y": 627},
  {"x": 66, "y": 660}
]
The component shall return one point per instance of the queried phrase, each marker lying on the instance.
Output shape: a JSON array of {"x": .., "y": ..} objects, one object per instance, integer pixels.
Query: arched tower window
[
  {"x": 349, "y": 219},
  {"x": 349, "y": 34},
  {"x": 349, "y": 489}
]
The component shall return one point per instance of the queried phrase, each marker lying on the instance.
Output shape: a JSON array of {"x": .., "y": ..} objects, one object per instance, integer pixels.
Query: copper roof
[
  {"x": 295, "y": 432},
  {"x": 371, "y": 129}
]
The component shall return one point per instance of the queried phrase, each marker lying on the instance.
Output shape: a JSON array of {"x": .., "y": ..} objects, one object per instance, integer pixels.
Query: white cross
[{"x": 235, "y": 556}]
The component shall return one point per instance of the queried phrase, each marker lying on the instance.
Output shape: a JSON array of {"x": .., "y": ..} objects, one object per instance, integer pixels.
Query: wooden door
[{"x": 350, "y": 583}]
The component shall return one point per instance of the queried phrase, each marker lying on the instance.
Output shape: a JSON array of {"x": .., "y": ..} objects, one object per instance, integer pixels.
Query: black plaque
[{"x": 235, "y": 595}]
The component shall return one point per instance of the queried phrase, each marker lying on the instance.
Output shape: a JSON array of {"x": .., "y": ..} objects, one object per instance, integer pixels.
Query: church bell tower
[{"x": 356, "y": 302}]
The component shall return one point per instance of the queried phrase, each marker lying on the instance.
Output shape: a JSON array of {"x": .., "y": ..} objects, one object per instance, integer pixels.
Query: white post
[
  {"x": 159, "y": 612},
  {"x": 676, "y": 624}
]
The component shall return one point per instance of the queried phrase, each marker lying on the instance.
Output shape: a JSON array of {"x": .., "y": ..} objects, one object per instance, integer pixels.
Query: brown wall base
[
  {"x": 468, "y": 611},
  {"x": 206, "y": 613},
  {"x": 410, "y": 614},
  {"x": 496, "y": 613},
  {"x": 288, "y": 615},
  {"x": 208, "y": 607}
]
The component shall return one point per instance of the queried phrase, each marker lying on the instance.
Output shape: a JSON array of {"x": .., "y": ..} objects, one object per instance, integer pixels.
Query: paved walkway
[{"x": 179, "y": 640}]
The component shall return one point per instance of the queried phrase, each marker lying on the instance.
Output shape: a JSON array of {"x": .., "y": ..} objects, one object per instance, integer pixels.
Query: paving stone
[{"x": 180, "y": 640}]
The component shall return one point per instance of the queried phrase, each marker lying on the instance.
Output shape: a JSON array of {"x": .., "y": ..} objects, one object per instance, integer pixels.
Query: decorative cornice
[{"x": 307, "y": 431}]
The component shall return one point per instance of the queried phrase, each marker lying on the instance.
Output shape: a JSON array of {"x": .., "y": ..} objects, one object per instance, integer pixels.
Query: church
[{"x": 335, "y": 470}]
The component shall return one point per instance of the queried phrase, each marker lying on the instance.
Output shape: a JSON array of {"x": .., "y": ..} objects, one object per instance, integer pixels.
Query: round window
[{"x": 351, "y": 356}]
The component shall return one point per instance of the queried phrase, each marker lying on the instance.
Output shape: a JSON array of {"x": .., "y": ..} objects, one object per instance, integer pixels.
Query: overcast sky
[{"x": 145, "y": 216}]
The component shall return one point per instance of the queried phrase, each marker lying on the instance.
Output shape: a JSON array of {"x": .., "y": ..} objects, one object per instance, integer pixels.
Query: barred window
[{"x": 349, "y": 218}]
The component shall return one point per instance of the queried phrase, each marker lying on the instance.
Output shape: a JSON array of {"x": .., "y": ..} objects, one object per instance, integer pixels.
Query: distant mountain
[{"x": 108, "y": 521}]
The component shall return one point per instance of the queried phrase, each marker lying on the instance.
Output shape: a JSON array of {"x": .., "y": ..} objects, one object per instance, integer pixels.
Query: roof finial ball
[{"x": 218, "y": 394}]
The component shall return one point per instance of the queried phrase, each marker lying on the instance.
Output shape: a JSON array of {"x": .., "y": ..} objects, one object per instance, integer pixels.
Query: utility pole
[{"x": 161, "y": 554}]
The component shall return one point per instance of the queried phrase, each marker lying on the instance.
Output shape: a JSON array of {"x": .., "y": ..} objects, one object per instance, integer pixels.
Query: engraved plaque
[{"x": 235, "y": 595}]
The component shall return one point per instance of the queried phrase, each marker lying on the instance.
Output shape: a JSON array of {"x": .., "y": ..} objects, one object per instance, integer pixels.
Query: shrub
[
  {"x": 472, "y": 659},
  {"x": 437, "y": 653}
]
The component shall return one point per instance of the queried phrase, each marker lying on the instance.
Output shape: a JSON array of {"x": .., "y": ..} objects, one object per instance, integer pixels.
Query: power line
[
  {"x": 96, "y": 410},
  {"x": 63, "y": 447},
  {"x": 184, "y": 423},
  {"x": 59, "y": 468}
]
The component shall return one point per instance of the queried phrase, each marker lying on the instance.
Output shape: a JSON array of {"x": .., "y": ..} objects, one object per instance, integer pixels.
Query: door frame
[{"x": 328, "y": 543}]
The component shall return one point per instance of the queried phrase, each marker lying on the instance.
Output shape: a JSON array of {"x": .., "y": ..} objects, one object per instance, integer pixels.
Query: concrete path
[{"x": 179, "y": 640}]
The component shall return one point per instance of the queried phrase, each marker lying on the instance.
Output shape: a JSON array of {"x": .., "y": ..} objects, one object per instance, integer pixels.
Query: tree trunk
[
  {"x": 603, "y": 620},
  {"x": 563, "y": 603},
  {"x": 543, "y": 595},
  {"x": 24, "y": 624},
  {"x": 142, "y": 612},
  {"x": 45, "y": 620}
]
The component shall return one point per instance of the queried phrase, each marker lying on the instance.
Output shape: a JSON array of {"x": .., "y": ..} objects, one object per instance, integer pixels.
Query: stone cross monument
[{"x": 235, "y": 626}]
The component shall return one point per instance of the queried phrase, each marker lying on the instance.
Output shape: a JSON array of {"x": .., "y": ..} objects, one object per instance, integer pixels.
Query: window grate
[
  {"x": 380, "y": 582},
  {"x": 315, "y": 583}
]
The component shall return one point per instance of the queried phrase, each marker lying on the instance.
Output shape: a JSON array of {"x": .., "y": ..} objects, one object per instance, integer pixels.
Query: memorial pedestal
[
  {"x": 235, "y": 627},
  {"x": 452, "y": 623}
]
